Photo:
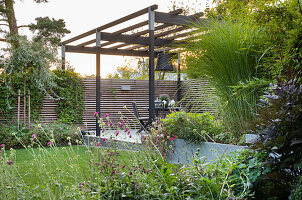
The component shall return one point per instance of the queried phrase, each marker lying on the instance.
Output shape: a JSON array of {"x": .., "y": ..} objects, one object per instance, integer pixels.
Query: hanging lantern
[{"x": 164, "y": 62}]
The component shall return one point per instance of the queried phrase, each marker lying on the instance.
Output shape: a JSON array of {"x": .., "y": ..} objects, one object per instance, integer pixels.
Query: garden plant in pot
[{"x": 165, "y": 99}]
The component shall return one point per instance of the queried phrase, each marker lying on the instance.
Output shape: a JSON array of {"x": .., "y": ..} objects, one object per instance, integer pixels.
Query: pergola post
[
  {"x": 98, "y": 80},
  {"x": 151, "y": 22},
  {"x": 63, "y": 56},
  {"x": 178, "y": 79}
]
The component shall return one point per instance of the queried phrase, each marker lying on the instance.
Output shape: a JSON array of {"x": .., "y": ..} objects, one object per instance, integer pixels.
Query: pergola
[{"x": 165, "y": 35}]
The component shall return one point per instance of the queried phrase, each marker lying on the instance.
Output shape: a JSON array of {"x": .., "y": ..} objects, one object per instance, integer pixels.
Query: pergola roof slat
[
  {"x": 175, "y": 19},
  {"x": 116, "y": 22},
  {"x": 135, "y": 26}
]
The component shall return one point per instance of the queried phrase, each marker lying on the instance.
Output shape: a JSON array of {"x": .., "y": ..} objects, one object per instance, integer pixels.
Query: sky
[{"x": 84, "y": 15}]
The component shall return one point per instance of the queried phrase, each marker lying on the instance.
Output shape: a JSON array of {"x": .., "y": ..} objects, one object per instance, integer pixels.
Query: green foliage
[
  {"x": 279, "y": 125},
  {"x": 227, "y": 55},
  {"x": 281, "y": 23},
  {"x": 296, "y": 193},
  {"x": 71, "y": 92},
  {"x": 11, "y": 136},
  {"x": 49, "y": 30},
  {"x": 193, "y": 127}
]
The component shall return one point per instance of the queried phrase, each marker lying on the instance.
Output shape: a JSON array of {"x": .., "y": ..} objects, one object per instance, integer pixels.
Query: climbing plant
[{"x": 71, "y": 92}]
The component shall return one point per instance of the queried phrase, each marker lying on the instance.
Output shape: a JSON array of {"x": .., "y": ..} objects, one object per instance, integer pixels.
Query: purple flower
[
  {"x": 116, "y": 133},
  {"x": 33, "y": 136},
  {"x": 113, "y": 171},
  {"x": 9, "y": 162},
  {"x": 12, "y": 121},
  {"x": 130, "y": 173},
  {"x": 149, "y": 170},
  {"x": 123, "y": 166},
  {"x": 48, "y": 144},
  {"x": 96, "y": 114}
]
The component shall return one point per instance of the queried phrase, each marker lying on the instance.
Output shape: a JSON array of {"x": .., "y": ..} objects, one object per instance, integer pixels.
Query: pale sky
[{"x": 83, "y": 15}]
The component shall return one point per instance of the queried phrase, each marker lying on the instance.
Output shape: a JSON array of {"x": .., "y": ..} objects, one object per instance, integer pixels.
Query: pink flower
[
  {"x": 9, "y": 162},
  {"x": 173, "y": 151},
  {"x": 98, "y": 144},
  {"x": 106, "y": 123},
  {"x": 48, "y": 144},
  {"x": 133, "y": 142},
  {"x": 116, "y": 133},
  {"x": 126, "y": 129},
  {"x": 2, "y": 146},
  {"x": 0, "y": 152},
  {"x": 33, "y": 136},
  {"x": 149, "y": 170},
  {"x": 104, "y": 139},
  {"x": 130, "y": 136},
  {"x": 103, "y": 130},
  {"x": 122, "y": 124},
  {"x": 106, "y": 115},
  {"x": 12, "y": 121},
  {"x": 128, "y": 132},
  {"x": 112, "y": 172},
  {"x": 123, "y": 166},
  {"x": 110, "y": 124},
  {"x": 130, "y": 173},
  {"x": 172, "y": 138},
  {"x": 96, "y": 114}
]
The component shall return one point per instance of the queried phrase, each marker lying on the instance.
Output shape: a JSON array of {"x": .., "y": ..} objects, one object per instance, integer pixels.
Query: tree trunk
[{"x": 11, "y": 18}]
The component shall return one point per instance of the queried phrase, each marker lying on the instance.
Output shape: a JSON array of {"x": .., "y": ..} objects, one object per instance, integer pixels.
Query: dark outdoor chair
[{"x": 143, "y": 121}]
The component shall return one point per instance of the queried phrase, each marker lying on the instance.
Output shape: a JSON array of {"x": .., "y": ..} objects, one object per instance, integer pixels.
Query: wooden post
[
  {"x": 178, "y": 79},
  {"x": 19, "y": 101},
  {"x": 63, "y": 56},
  {"x": 151, "y": 65},
  {"x": 98, "y": 80},
  {"x": 24, "y": 100},
  {"x": 28, "y": 108}
]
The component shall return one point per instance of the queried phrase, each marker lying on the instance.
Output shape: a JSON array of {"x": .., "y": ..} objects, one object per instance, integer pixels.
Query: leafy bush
[
  {"x": 194, "y": 127},
  {"x": 11, "y": 136},
  {"x": 279, "y": 125},
  {"x": 71, "y": 91},
  {"x": 296, "y": 193}
]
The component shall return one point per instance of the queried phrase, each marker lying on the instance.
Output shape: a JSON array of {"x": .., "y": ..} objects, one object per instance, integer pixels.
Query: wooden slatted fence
[{"x": 117, "y": 102}]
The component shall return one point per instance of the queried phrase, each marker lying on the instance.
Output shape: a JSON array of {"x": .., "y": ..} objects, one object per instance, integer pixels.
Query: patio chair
[{"x": 143, "y": 121}]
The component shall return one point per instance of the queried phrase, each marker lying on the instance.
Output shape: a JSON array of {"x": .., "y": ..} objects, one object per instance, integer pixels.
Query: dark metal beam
[
  {"x": 105, "y": 51},
  {"x": 166, "y": 18},
  {"x": 98, "y": 80},
  {"x": 116, "y": 22},
  {"x": 151, "y": 66}
]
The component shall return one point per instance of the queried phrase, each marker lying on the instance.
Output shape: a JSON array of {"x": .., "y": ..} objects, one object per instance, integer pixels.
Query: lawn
[{"x": 65, "y": 167}]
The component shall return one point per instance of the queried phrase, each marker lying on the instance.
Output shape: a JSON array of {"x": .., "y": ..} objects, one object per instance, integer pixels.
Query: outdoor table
[{"x": 165, "y": 110}]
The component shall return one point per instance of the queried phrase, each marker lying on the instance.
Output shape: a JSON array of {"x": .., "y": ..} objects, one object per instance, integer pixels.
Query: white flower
[
  {"x": 165, "y": 102},
  {"x": 172, "y": 103},
  {"x": 13, "y": 134}
]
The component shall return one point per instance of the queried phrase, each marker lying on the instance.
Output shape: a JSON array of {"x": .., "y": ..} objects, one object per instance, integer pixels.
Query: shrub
[
  {"x": 194, "y": 127},
  {"x": 279, "y": 125},
  {"x": 11, "y": 136}
]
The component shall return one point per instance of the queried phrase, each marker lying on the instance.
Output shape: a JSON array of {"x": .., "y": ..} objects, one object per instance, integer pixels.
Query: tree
[{"x": 31, "y": 58}]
